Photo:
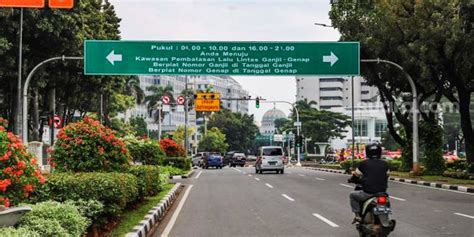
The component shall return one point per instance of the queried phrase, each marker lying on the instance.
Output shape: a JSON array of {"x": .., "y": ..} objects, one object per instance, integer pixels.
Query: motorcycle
[{"x": 375, "y": 219}]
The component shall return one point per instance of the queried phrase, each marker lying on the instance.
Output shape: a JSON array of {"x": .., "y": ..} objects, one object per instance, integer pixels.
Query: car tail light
[{"x": 382, "y": 200}]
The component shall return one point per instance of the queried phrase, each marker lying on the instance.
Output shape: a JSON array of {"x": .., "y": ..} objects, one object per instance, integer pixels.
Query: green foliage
[
  {"x": 394, "y": 165},
  {"x": 431, "y": 40},
  {"x": 347, "y": 164},
  {"x": 319, "y": 125},
  {"x": 139, "y": 125},
  {"x": 148, "y": 179},
  {"x": 239, "y": 129},
  {"x": 20, "y": 174},
  {"x": 122, "y": 129},
  {"x": 432, "y": 136},
  {"x": 55, "y": 219},
  {"x": 145, "y": 151},
  {"x": 88, "y": 146},
  {"x": 154, "y": 98},
  {"x": 183, "y": 163},
  {"x": 91, "y": 209},
  {"x": 460, "y": 164},
  {"x": 388, "y": 142},
  {"x": 113, "y": 190},
  {"x": 214, "y": 141},
  {"x": 18, "y": 232},
  {"x": 178, "y": 135},
  {"x": 171, "y": 170},
  {"x": 459, "y": 175}
]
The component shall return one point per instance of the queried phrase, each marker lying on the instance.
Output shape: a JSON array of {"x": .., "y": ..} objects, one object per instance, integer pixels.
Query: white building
[
  {"x": 268, "y": 121},
  {"x": 335, "y": 94},
  {"x": 228, "y": 87}
]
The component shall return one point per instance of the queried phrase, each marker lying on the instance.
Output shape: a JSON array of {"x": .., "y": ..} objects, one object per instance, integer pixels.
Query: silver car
[{"x": 270, "y": 158}]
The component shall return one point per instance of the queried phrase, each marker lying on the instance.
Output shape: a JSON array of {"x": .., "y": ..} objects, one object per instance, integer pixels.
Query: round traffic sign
[
  {"x": 58, "y": 121},
  {"x": 180, "y": 100},
  {"x": 166, "y": 99}
]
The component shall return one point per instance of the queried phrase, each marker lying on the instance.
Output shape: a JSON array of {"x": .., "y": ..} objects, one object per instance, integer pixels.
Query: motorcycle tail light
[{"x": 382, "y": 200}]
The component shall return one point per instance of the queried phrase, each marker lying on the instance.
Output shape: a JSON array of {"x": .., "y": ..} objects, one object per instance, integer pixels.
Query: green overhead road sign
[{"x": 221, "y": 58}]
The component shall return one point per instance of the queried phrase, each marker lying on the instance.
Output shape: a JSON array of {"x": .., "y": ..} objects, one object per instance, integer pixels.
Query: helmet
[{"x": 373, "y": 150}]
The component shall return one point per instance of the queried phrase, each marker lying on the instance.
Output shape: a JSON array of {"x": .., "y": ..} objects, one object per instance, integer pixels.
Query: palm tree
[
  {"x": 132, "y": 88},
  {"x": 157, "y": 93}
]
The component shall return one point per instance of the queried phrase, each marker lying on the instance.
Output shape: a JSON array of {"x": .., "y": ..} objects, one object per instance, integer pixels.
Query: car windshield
[{"x": 272, "y": 152}]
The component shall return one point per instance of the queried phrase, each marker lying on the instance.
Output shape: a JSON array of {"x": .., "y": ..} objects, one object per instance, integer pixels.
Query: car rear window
[{"x": 272, "y": 152}]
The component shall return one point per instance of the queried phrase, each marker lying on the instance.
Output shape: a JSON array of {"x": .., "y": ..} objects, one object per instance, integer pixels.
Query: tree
[
  {"x": 50, "y": 33},
  {"x": 319, "y": 125},
  {"x": 240, "y": 129},
  {"x": 178, "y": 135},
  {"x": 280, "y": 123},
  {"x": 432, "y": 40},
  {"x": 214, "y": 141},
  {"x": 156, "y": 93},
  {"x": 139, "y": 126}
]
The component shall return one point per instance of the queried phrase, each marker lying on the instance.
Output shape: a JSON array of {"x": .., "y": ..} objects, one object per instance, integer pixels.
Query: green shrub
[
  {"x": 394, "y": 165},
  {"x": 459, "y": 175},
  {"x": 348, "y": 163},
  {"x": 113, "y": 190},
  {"x": 171, "y": 148},
  {"x": 19, "y": 232},
  {"x": 55, "y": 219},
  {"x": 183, "y": 163},
  {"x": 88, "y": 146},
  {"x": 148, "y": 177},
  {"x": 171, "y": 170},
  {"x": 460, "y": 164},
  {"x": 145, "y": 151},
  {"x": 91, "y": 209},
  {"x": 432, "y": 143}
]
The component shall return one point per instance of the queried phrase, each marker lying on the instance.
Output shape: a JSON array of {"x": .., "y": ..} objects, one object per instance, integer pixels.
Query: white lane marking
[
  {"x": 257, "y": 179},
  {"x": 244, "y": 172},
  {"x": 237, "y": 170},
  {"x": 173, "y": 219},
  {"x": 397, "y": 198},
  {"x": 199, "y": 174},
  {"x": 250, "y": 175},
  {"x": 288, "y": 197},
  {"x": 320, "y": 179},
  {"x": 268, "y": 185},
  {"x": 440, "y": 189},
  {"x": 347, "y": 186},
  {"x": 288, "y": 172},
  {"x": 302, "y": 175},
  {"x": 325, "y": 220},
  {"x": 460, "y": 214}
]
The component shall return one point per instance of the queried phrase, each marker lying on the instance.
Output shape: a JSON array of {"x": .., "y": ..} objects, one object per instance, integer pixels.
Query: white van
[{"x": 270, "y": 158}]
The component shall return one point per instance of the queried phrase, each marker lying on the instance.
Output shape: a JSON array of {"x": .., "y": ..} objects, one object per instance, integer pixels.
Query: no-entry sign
[{"x": 58, "y": 121}]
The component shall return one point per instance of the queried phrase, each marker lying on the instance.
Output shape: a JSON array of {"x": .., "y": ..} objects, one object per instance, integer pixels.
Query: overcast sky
[{"x": 231, "y": 20}]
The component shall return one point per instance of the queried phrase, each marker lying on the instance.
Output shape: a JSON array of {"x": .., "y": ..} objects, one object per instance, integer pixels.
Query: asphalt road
[{"x": 238, "y": 202}]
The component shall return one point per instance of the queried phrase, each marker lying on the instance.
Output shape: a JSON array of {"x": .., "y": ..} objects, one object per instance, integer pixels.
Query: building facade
[
  {"x": 335, "y": 94},
  {"x": 267, "y": 127}
]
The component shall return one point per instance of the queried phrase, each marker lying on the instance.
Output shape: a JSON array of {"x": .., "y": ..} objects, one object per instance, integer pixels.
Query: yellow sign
[{"x": 207, "y": 102}]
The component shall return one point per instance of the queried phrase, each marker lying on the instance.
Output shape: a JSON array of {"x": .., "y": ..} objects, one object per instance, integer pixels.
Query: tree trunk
[
  {"x": 35, "y": 116},
  {"x": 466, "y": 125}
]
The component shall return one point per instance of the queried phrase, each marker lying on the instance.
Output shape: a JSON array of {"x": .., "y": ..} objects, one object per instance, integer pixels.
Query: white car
[{"x": 270, "y": 158}]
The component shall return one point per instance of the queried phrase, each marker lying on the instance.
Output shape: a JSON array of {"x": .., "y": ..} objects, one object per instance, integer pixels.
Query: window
[
  {"x": 360, "y": 128},
  {"x": 272, "y": 152},
  {"x": 380, "y": 128},
  {"x": 331, "y": 89},
  {"x": 331, "y": 80},
  {"x": 364, "y": 92},
  {"x": 331, "y": 98}
]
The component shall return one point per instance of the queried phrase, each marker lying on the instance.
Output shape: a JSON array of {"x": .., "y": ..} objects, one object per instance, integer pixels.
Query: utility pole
[
  {"x": 18, "y": 117},
  {"x": 353, "y": 122},
  {"x": 186, "y": 141},
  {"x": 160, "y": 109}
]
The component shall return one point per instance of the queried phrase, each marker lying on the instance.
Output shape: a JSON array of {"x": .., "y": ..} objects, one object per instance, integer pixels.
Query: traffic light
[
  {"x": 257, "y": 102},
  {"x": 299, "y": 141}
]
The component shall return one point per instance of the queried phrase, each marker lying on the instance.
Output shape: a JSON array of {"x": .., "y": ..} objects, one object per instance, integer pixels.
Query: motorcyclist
[{"x": 372, "y": 174}]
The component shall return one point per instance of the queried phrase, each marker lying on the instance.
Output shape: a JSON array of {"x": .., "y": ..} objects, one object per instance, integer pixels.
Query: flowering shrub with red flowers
[
  {"x": 88, "y": 146},
  {"x": 171, "y": 148},
  {"x": 19, "y": 172}
]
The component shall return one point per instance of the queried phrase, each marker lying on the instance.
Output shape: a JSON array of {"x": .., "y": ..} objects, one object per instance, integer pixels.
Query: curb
[
  {"x": 154, "y": 215},
  {"x": 185, "y": 176},
  {"x": 416, "y": 182}
]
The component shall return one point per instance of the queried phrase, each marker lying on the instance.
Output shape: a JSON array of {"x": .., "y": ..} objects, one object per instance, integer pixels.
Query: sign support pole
[
  {"x": 25, "y": 92},
  {"x": 186, "y": 141},
  {"x": 20, "y": 64}
]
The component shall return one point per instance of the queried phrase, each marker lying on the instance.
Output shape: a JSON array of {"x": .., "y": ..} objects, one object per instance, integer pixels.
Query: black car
[
  {"x": 227, "y": 157},
  {"x": 238, "y": 159}
]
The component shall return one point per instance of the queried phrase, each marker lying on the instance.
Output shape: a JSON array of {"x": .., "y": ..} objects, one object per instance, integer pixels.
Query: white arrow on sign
[
  {"x": 330, "y": 58},
  {"x": 112, "y": 57}
]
